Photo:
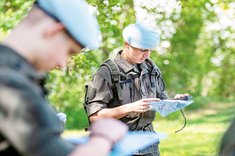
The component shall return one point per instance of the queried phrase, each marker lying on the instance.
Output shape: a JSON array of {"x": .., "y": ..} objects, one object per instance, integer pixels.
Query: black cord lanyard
[{"x": 185, "y": 122}]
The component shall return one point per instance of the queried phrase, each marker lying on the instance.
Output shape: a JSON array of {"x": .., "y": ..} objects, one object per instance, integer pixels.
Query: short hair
[{"x": 35, "y": 16}]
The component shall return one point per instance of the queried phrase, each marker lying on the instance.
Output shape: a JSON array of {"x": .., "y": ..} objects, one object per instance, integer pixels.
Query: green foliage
[
  {"x": 203, "y": 132},
  {"x": 11, "y": 12},
  {"x": 199, "y": 59},
  {"x": 113, "y": 16},
  {"x": 68, "y": 87}
]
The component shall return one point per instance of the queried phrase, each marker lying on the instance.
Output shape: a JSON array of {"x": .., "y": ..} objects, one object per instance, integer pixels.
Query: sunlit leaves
[{"x": 196, "y": 53}]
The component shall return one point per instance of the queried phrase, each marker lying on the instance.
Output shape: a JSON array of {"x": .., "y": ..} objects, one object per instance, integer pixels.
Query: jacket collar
[
  {"x": 127, "y": 67},
  {"x": 10, "y": 58}
]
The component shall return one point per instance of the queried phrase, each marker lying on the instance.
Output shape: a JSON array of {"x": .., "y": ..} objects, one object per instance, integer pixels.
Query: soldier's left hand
[{"x": 180, "y": 96}]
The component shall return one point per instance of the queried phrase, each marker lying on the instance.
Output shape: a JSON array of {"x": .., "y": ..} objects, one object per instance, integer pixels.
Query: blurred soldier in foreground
[{"x": 53, "y": 31}]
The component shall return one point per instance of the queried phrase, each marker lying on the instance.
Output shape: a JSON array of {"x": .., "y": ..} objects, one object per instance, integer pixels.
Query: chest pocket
[
  {"x": 136, "y": 88},
  {"x": 147, "y": 90},
  {"x": 123, "y": 84},
  {"x": 149, "y": 80},
  {"x": 127, "y": 89},
  {"x": 157, "y": 84}
]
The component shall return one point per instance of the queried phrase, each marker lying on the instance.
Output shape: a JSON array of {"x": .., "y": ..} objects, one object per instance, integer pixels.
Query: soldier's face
[
  {"x": 64, "y": 52},
  {"x": 137, "y": 55},
  {"x": 59, "y": 50}
]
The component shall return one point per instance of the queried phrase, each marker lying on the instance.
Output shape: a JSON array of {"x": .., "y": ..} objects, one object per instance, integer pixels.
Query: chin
[
  {"x": 42, "y": 70},
  {"x": 141, "y": 61}
]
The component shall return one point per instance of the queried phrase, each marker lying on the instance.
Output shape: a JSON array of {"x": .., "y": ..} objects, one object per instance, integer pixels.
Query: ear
[
  {"x": 53, "y": 29},
  {"x": 126, "y": 45}
]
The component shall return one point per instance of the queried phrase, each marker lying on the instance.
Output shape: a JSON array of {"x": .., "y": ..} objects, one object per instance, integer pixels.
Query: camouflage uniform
[
  {"x": 29, "y": 126},
  {"x": 138, "y": 84}
]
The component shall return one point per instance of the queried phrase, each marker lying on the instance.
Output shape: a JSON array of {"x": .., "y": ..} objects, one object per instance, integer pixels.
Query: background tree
[{"x": 196, "y": 53}]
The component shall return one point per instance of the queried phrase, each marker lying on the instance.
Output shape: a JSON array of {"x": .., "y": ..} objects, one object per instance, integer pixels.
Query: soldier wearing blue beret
[
  {"x": 53, "y": 31},
  {"x": 123, "y": 87}
]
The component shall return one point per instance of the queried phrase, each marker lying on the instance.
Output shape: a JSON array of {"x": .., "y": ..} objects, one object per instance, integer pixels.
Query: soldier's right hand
[{"x": 142, "y": 105}]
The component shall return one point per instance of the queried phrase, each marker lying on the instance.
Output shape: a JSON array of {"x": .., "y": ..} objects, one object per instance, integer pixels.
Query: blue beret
[
  {"x": 140, "y": 37},
  {"x": 81, "y": 24}
]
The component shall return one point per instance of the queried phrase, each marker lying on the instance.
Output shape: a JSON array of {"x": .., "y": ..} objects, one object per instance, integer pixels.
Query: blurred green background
[{"x": 196, "y": 55}]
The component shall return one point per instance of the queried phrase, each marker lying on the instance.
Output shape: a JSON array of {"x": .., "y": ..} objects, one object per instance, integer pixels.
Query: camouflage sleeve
[
  {"x": 27, "y": 122},
  {"x": 99, "y": 92}
]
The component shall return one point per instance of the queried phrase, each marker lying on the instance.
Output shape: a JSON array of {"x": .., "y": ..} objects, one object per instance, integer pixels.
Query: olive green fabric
[{"x": 29, "y": 126}]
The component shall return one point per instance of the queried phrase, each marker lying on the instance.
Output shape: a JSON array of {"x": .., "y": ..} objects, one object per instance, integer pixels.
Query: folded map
[
  {"x": 131, "y": 143},
  {"x": 166, "y": 107}
]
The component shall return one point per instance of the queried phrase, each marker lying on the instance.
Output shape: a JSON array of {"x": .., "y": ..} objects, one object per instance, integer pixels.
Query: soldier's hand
[
  {"x": 104, "y": 133},
  {"x": 116, "y": 129},
  {"x": 180, "y": 96},
  {"x": 142, "y": 105}
]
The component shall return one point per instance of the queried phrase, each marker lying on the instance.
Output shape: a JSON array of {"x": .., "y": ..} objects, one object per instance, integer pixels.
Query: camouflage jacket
[{"x": 28, "y": 125}]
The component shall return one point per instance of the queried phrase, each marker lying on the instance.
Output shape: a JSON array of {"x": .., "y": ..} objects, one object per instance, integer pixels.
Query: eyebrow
[{"x": 145, "y": 50}]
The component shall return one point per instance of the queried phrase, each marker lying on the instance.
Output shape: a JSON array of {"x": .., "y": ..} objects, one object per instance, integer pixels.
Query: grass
[{"x": 201, "y": 136}]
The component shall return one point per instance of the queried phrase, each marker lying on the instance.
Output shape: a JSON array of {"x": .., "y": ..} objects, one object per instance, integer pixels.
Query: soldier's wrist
[{"x": 103, "y": 136}]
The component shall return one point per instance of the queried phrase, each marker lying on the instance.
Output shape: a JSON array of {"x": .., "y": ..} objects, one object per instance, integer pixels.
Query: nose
[{"x": 62, "y": 63}]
